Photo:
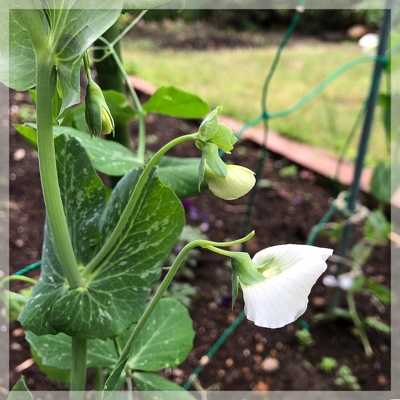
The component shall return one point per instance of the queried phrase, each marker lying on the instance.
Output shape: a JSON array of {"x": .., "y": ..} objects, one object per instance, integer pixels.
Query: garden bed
[{"x": 285, "y": 210}]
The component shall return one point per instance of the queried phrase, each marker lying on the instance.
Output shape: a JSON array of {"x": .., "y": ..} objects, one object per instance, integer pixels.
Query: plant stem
[
  {"x": 78, "y": 368},
  {"x": 21, "y": 278},
  {"x": 359, "y": 324},
  {"x": 179, "y": 260},
  {"x": 138, "y": 105},
  {"x": 133, "y": 201},
  {"x": 48, "y": 172}
]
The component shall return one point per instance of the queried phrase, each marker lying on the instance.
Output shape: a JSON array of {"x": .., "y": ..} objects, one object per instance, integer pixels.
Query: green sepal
[
  {"x": 213, "y": 161},
  {"x": 246, "y": 271},
  {"x": 211, "y": 131},
  {"x": 224, "y": 138}
]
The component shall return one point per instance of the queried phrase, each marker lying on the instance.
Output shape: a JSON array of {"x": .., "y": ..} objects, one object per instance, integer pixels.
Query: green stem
[
  {"x": 78, "y": 370},
  {"x": 179, "y": 260},
  {"x": 48, "y": 172},
  {"x": 359, "y": 324},
  {"x": 135, "y": 98},
  {"x": 126, "y": 215},
  {"x": 20, "y": 278}
]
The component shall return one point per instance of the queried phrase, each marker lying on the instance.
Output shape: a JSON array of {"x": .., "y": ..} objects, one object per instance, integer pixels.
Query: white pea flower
[
  {"x": 286, "y": 274},
  {"x": 237, "y": 182}
]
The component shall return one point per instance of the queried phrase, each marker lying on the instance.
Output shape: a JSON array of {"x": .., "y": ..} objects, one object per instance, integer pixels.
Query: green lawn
[{"x": 233, "y": 78}]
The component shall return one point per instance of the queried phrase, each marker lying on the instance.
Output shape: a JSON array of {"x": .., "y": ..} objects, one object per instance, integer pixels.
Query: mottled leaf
[
  {"x": 153, "y": 383},
  {"x": 166, "y": 339},
  {"x": 113, "y": 298},
  {"x": 52, "y": 353},
  {"x": 107, "y": 156},
  {"x": 111, "y": 158},
  {"x": 180, "y": 174},
  {"x": 177, "y": 103}
]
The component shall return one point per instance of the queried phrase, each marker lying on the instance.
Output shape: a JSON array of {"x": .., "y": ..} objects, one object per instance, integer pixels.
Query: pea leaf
[
  {"x": 120, "y": 109},
  {"x": 52, "y": 354},
  {"x": 69, "y": 31},
  {"x": 173, "y": 102},
  {"x": 180, "y": 174},
  {"x": 156, "y": 347},
  {"x": 111, "y": 158},
  {"x": 20, "y": 391},
  {"x": 113, "y": 298},
  {"x": 152, "y": 382},
  {"x": 107, "y": 156},
  {"x": 165, "y": 340},
  {"x": 18, "y": 65},
  {"x": 380, "y": 182}
]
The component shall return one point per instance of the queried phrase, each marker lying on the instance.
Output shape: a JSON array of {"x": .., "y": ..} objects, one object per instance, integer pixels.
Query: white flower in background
[
  {"x": 369, "y": 42},
  {"x": 286, "y": 275},
  {"x": 237, "y": 182}
]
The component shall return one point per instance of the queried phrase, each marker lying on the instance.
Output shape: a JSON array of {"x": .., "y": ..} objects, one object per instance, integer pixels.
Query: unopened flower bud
[
  {"x": 98, "y": 116},
  {"x": 237, "y": 182}
]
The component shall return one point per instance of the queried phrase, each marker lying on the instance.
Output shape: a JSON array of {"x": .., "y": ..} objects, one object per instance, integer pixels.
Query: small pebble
[
  {"x": 221, "y": 373},
  {"x": 204, "y": 360},
  {"x": 382, "y": 380},
  {"x": 177, "y": 372},
  {"x": 18, "y": 332},
  {"x": 246, "y": 352},
  {"x": 229, "y": 362},
  {"x": 261, "y": 387},
  {"x": 259, "y": 347},
  {"x": 19, "y": 154},
  {"x": 16, "y": 346},
  {"x": 19, "y": 243},
  {"x": 212, "y": 306},
  {"x": 319, "y": 301},
  {"x": 270, "y": 364}
]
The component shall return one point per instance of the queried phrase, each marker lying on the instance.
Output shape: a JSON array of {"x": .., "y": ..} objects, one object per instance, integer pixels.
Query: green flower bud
[
  {"x": 237, "y": 182},
  {"x": 98, "y": 116}
]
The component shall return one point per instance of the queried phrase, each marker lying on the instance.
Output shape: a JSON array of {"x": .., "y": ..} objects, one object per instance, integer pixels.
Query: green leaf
[
  {"x": 52, "y": 354},
  {"x": 380, "y": 182},
  {"x": 111, "y": 158},
  {"x": 114, "y": 297},
  {"x": 155, "y": 349},
  {"x": 107, "y": 156},
  {"x": 166, "y": 339},
  {"x": 381, "y": 292},
  {"x": 378, "y": 325},
  {"x": 18, "y": 70},
  {"x": 180, "y": 174},
  {"x": 377, "y": 228},
  {"x": 20, "y": 391},
  {"x": 120, "y": 109},
  {"x": 151, "y": 382},
  {"x": 171, "y": 101},
  {"x": 68, "y": 31}
]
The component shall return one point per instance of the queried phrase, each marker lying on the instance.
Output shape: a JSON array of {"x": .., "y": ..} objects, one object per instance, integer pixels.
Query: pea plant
[{"x": 100, "y": 300}]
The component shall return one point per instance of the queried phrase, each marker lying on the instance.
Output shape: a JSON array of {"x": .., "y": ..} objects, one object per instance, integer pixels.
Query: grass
[{"x": 233, "y": 78}]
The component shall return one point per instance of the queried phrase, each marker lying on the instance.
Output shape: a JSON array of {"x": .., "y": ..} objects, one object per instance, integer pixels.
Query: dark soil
[{"x": 283, "y": 213}]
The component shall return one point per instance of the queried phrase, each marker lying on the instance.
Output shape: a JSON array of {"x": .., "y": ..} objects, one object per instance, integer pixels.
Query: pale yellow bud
[{"x": 237, "y": 182}]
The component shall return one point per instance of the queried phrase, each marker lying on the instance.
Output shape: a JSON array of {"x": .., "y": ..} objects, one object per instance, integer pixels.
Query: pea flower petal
[{"x": 290, "y": 272}]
